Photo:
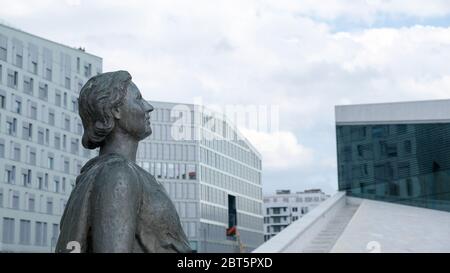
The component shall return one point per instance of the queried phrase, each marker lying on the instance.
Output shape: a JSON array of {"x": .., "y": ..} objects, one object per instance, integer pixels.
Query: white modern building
[
  {"x": 211, "y": 172},
  {"x": 394, "y": 184},
  {"x": 284, "y": 207},
  {"x": 40, "y": 136}
]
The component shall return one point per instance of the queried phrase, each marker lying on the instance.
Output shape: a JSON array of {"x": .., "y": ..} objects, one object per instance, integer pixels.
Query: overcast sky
[{"x": 304, "y": 56}]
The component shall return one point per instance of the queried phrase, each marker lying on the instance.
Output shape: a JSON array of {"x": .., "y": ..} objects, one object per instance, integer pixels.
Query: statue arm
[{"x": 115, "y": 201}]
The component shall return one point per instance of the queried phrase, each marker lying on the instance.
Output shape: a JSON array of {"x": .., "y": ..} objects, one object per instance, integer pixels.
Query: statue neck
[{"x": 120, "y": 142}]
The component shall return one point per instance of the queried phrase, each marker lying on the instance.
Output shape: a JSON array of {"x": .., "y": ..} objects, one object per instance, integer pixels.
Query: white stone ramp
[{"x": 324, "y": 241}]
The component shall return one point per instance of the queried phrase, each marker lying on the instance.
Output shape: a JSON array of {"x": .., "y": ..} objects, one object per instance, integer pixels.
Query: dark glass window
[{"x": 402, "y": 163}]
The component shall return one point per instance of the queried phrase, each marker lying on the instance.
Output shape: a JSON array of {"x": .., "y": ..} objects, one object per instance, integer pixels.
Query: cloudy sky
[{"x": 303, "y": 56}]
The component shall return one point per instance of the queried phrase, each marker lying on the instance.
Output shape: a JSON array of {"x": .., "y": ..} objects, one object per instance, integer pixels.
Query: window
[
  {"x": 28, "y": 84},
  {"x": 294, "y": 209},
  {"x": 49, "y": 206},
  {"x": 31, "y": 204},
  {"x": 192, "y": 172},
  {"x": 33, "y": 111},
  {"x": 3, "y": 47},
  {"x": 41, "y": 136},
  {"x": 25, "y": 231},
  {"x": 43, "y": 91},
  {"x": 66, "y": 166},
  {"x": 17, "y": 53},
  {"x": 8, "y": 230},
  {"x": 74, "y": 105},
  {"x": 67, "y": 83},
  {"x": 18, "y": 106},
  {"x": 63, "y": 184},
  {"x": 57, "y": 142},
  {"x": 57, "y": 98},
  {"x": 1, "y": 198},
  {"x": 10, "y": 173},
  {"x": 55, "y": 234},
  {"x": 15, "y": 200},
  {"x": 57, "y": 186},
  {"x": 47, "y": 136},
  {"x": 17, "y": 153},
  {"x": 2, "y": 101},
  {"x": 12, "y": 79},
  {"x": 27, "y": 132},
  {"x": 41, "y": 234},
  {"x": 40, "y": 183},
  {"x": 48, "y": 74},
  {"x": 34, "y": 67},
  {"x": 407, "y": 146},
  {"x": 51, "y": 117},
  {"x": 65, "y": 99},
  {"x": 33, "y": 52},
  {"x": 87, "y": 70},
  {"x": 50, "y": 162},
  {"x": 67, "y": 123}
]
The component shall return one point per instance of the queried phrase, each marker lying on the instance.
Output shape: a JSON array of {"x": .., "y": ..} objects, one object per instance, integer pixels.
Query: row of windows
[
  {"x": 166, "y": 151},
  {"x": 39, "y": 157},
  {"x": 249, "y": 221},
  {"x": 68, "y": 122},
  {"x": 230, "y": 166},
  {"x": 275, "y": 228},
  {"x": 190, "y": 228},
  {"x": 372, "y": 132},
  {"x": 283, "y": 210},
  {"x": 37, "y": 180},
  {"x": 172, "y": 115},
  {"x": 225, "y": 181},
  {"x": 25, "y": 232},
  {"x": 181, "y": 190},
  {"x": 214, "y": 213},
  {"x": 41, "y": 91},
  {"x": 232, "y": 150},
  {"x": 40, "y": 61},
  {"x": 296, "y": 199},
  {"x": 220, "y": 197},
  {"x": 172, "y": 132},
  {"x": 376, "y": 150},
  {"x": 170, "y": 170},
  {"x": 187, "y": 209},
  {"x": 380, "y": 171},
  {"x": 248, "y": 205},
  {"x": 30, "y": 202},
  {"x": 45, "y": 136}
]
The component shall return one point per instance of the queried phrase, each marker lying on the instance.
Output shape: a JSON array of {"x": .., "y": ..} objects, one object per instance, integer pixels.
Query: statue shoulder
[{"x": 116, "y": 171}]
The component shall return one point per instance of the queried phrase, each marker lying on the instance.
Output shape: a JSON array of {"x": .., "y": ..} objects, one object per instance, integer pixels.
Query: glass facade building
[
  {"x": 406, "y": 160},
  {"x": 210, "y": 171},
  {"x": 40, "y": 136}
]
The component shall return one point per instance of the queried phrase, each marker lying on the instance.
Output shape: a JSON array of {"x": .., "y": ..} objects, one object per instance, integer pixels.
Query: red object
[{"x": 231, "y": 231}]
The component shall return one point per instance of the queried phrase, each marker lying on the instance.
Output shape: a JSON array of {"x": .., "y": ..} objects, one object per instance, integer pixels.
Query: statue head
[{"x": 110, "y": 102}]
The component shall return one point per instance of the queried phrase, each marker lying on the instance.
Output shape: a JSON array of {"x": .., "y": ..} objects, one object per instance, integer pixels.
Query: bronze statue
[{"x": 116, "y": 206}]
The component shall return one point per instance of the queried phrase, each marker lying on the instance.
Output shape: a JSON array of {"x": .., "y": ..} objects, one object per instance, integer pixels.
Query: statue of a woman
[{"x": 116, "y": 206}]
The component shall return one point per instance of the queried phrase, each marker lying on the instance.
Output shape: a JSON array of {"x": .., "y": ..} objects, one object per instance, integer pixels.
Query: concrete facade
[{"x": 40, "y": 136}]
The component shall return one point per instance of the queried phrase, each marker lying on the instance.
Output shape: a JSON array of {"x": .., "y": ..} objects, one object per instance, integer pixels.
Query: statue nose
[{"x": 149, "y": 107}]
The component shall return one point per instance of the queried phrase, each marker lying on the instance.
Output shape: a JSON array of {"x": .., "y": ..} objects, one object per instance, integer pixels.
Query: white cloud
[{"x": 280, "y": 150}]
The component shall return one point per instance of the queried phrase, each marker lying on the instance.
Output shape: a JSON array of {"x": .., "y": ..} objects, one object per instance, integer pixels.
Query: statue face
[{"x": 135, "y": 114}]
